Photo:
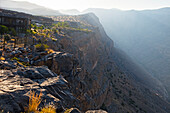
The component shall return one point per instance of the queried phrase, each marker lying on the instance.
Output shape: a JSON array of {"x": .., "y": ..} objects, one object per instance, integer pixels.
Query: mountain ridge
[{"x": 27, "y": 7}]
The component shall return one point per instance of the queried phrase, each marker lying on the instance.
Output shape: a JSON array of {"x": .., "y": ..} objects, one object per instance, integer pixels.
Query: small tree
[
  {"x": 3, "y": 29},
  {"x": 41, "y": 47}
]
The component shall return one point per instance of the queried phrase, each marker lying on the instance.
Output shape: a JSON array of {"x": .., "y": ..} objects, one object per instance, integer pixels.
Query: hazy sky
[{"x": 84, "y": 4}]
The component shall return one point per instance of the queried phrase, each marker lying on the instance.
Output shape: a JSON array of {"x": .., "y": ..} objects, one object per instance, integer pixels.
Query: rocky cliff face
[
  {"x": 84, "y": 74},
  {"x": 101, "y": 82}
]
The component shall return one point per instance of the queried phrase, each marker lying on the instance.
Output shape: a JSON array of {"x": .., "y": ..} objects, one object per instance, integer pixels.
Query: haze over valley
[{"x": 144, "y": 36}]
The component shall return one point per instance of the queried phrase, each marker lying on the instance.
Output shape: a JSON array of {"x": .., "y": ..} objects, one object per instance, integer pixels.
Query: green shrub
[
  {"x": 3, "y": 29},
  {"x": 41, "y": 47}
]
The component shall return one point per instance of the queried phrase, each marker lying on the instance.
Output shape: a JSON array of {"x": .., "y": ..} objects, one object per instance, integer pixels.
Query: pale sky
[{"x": 107, "y": 4}]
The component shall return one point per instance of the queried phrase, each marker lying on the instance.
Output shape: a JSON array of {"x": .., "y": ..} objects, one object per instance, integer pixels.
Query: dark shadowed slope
[{"x": 137, "y": 73}]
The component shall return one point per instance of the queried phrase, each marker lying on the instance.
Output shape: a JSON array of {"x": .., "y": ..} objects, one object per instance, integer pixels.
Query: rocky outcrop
[{"x": 16, "y": 84}]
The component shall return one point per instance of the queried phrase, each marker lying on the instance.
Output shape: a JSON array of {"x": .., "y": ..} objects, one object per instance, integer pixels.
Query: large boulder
[
  {"x": 59, "y": 62},
  {"x": 63, "y": 63}
]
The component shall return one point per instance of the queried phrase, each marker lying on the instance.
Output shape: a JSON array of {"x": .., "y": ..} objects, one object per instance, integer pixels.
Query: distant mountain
[
  {"x": 27, "y": 7},
  {"x": 70, "y": 12},
  {"x": 143, "y": 35}
]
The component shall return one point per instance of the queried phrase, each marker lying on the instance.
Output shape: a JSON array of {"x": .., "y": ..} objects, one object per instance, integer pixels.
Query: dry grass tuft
[
  {"x": 67, "y": 111},
  {"x": 2, "y": 58},
  {"x": 50, "y": 51},
  {"x": 48, "y": 110},
  {"x": 34, "y": 101}
]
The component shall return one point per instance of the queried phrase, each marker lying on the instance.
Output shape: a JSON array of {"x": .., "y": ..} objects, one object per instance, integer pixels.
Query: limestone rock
[
  {"x": 15, "y": 86},
  {"x": 63, "y": 64},
  {"x": 15, "y": 53},
  {"x": 7, "y": 65},
  {"x": 38, "y": 73}
]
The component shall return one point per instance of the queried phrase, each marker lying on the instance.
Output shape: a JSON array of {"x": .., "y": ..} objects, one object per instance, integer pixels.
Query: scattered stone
[
  {"x": 30, "y": 55},
  {"x": 7, "y": 50},
  {"x": 36, "y": 57},
  {"x": 22, "y": 49},
  {"x": 16, "y": 53},
  {"x": 27, "y": 49},
  {"x": 33, "y": 48},
  {"x": 7, "y": 65},
  {"x": 21, "y": 56}
]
